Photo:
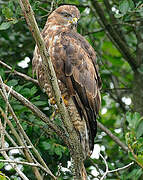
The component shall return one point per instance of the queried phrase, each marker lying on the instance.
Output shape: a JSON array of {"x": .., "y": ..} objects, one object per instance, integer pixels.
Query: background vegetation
[{"x": 115, "y": 30}]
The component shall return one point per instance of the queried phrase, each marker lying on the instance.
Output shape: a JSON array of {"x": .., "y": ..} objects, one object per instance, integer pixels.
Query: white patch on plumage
[
  {"x": 55, "y": 39},
  {"x": 50, "y": 38},
  {"x": 40, "y": 59},
  {"x": 54, "y": 27}
]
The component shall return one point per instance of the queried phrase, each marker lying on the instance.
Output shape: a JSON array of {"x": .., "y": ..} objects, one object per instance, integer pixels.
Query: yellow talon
[
  {"x": 65, "y": 99},
  {"x": 52, "y": 101}
]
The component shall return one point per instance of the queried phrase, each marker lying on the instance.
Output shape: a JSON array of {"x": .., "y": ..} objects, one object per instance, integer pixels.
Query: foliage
[
  {"x": 134, "y": 138},
  {"x": 117, "y": 75}
]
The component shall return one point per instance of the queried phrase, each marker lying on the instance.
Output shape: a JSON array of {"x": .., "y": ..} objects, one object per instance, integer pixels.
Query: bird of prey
[{"x": 74, "y": 61}]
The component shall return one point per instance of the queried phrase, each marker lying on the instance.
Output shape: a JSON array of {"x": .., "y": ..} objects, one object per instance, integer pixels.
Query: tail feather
[{"x": 92, "y": 126}]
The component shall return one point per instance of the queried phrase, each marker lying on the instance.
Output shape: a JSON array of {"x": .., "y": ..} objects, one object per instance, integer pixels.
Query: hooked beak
[{"x": 74, "y": 21}]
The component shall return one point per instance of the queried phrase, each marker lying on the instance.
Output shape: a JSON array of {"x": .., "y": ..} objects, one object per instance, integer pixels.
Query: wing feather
[{"x": 79, "y": 64}]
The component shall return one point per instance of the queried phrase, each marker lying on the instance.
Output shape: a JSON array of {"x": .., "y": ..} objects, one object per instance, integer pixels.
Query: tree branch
[
  {"x": 38, "y": 113},
  {"x": 1, "y": 174},
  {"x": 115, "y": 170},
  {"x": 116, "y": 139},
  {"x": 107, "y": 169},
  {"x": 20, "y": 137},
  {"x": 119, "y": 169},
  {"x": 4, "y": 154},
  {"x": 115, "y": 37},
  {"x": 11, "y": 148},
  {"x": 28, "y": 78}
]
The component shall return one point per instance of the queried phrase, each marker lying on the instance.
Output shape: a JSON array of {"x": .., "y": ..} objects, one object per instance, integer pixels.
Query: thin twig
[
  {"x": 4, "y": 154},
  {"x": 115, "y": 138},
  {"x": 23, "y": 135},
  {"x": 96, "y": 31},
  {"x": 106, "y": 172},
  {"x": 28, "y": 78},
  {"x": 4, "y": 175},
  {"x": 39, "y": 114},
  {"x": 13, "y": 142},
  {"x": 11, "y": 148},
  {"x": 114, "y": 36},
  {"x": 135, "y": 156},
  {"x": 115, "y": 170},
  {"x": 119, "y": 169},
  {"x": 20, "y": 139},
  {"x": 19, "y": 162}
]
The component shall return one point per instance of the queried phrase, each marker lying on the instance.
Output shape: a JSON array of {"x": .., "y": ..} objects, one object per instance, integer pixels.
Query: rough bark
[
  {"x": 138, "y": 75},
  {"x": 138, "y": 93}
]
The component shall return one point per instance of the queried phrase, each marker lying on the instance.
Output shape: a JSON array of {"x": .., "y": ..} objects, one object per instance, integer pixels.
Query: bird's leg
[
  {"x": 65, "y": 97},
  {"x": 53, "y": 103},
  {"x": 80, "y": 127}
]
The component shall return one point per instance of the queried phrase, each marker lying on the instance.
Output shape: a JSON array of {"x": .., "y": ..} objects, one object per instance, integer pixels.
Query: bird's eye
[{"x": 66, "y": 14}]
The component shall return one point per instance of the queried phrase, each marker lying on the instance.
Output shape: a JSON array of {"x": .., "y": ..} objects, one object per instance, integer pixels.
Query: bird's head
[{"x": 66, "y": 15}]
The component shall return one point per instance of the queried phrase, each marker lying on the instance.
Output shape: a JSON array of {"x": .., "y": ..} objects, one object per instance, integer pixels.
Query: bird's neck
[{"x": 56, "y": 27}]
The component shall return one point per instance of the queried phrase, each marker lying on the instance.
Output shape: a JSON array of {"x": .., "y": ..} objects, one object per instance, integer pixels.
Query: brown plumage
[{"x": 75, "y": 65}]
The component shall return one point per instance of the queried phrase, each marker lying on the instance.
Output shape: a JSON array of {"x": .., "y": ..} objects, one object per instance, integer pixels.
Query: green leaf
[
  {"x": 136, "y": 118},
  {"x": 118, "y": 15},
  {"x": 138, "y": 4},
  {"x": 24, "y": 125},
  {"x": 33, "y": 90},
  {"x": 11, "y": 5},
  {"x": 12, "y": 82},
  {"x": 129, "y": 119},
  {"x": 14, "y": 21},
  {"x": 40, "y": 103},
  {"x": 133, "y": 119},
  {"x": 46, "y": 145},
  {"x": 134, "y": 173},
  {"x": 140, "y": 140},
  {"x": 110, "y": 49},
  {"x": 25, "y": 92},
  {"x": 131, "y": 156},
  {"x": 58, "y": 151},
  {"x": 140, "y": 69},
  {"x": 131, "y": 4},
  {"x": 139, "y": 173},
  {"x": 1, "y": 165},
  {"x": 18, "y": 11},
  {"x": 2, "y": 73},
  {"x": 140, "y": 149},
  {"x": 15, "y": 178},
  {"x": 124, "y": 6},
  {"x": 2, "y": 177},
  {"x": 31, "y": 117},
  {"x": 139, "y": 129},
  {"x": 36, "y": 98},
  {"x": 5, "y": 25},
  {"x": 18, "y": 107},
  {"x": 7, "y": 12}
]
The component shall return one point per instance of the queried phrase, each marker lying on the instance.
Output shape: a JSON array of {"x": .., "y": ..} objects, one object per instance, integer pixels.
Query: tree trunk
[{"x": 138, "y": 93}]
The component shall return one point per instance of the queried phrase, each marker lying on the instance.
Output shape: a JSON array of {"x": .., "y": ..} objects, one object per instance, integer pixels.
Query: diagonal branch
[
  {"x": 37, "y": 112},
  {"x": 115, "y": 37},
  {"x": 116, "y": 139},
  {"x": 21, "y": 135},
  {"x": 4, "y": 154},
  {"x": 28, "y": 78}
]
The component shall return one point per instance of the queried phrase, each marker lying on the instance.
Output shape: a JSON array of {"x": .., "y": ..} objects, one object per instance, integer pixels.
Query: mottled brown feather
[{"x": 75, "y": 64}]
